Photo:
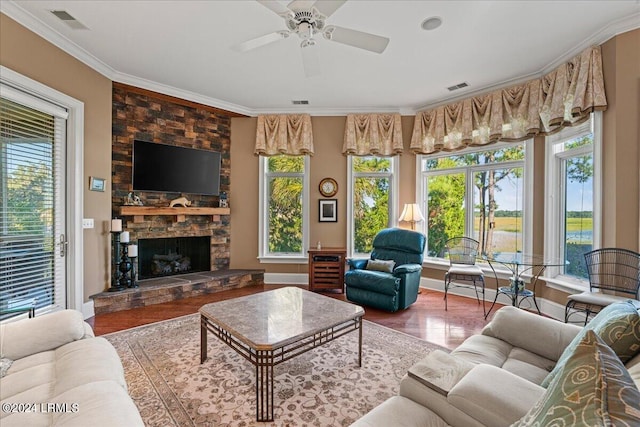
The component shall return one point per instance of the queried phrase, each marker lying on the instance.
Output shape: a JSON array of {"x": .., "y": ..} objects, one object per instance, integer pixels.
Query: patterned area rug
[{"x": 323, "y": 387}]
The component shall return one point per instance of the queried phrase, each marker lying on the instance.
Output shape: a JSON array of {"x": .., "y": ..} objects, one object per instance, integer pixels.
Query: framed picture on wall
[{"x": 328, "y": 210}]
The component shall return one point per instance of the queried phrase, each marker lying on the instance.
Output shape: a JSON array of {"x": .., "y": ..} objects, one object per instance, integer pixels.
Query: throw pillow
[
  {"x": 5, "y": 364},
  {"x": 381, "y": 265},
  {"x": 618, "y": 325},
  {"x": 593, "y": 388}
]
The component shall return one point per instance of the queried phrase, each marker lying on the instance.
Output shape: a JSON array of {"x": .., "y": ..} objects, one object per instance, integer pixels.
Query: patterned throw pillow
[
  {"x": 593, "y": 388},
  {"x": 618, "y": 325},
  {"x": 381, "y": 265}
]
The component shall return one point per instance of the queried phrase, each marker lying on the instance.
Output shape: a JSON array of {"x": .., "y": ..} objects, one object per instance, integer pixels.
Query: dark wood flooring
[{"x": 425, "y": 319}]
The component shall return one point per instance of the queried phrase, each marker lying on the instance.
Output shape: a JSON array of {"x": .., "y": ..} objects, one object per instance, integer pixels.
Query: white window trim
[
  {"x": 393, "y": 200},
  {"x": 263, "y": 247},
  {"x": 553, "y": 198},
  {"x": 527, "y": 203},
  {"x": 75, "y": 177}
]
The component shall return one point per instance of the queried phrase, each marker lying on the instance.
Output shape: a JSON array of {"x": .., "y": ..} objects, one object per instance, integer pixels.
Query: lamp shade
[{"x": 411, "y": 213}]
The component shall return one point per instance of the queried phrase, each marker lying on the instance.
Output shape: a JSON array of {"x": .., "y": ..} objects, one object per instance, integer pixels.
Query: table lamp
[{"x": 411, "y": 213}]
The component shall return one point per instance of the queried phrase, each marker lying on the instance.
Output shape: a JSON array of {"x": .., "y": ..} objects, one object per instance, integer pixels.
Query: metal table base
[{"x": 265, "y": 359}]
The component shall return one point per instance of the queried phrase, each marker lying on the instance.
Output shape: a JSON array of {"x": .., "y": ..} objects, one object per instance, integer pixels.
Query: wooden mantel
[{"x": 139, "y": 212}]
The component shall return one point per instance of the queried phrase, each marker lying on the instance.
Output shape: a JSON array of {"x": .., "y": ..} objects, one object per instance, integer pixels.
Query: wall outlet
[{"x": 87, "y": 223}]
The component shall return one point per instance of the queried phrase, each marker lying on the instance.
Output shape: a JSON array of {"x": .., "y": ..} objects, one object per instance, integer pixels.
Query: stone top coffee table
[{"x": 271, "y": 327}]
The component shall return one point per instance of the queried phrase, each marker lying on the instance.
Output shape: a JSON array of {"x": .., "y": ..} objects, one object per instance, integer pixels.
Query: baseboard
[
  {"x": 87, "y": 310},
  {"x": 286, "y": 279},
  {"x": 548, "y": 308}
]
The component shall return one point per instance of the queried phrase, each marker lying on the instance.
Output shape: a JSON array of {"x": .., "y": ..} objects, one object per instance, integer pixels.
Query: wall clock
[{"x": 328, "y": 187}]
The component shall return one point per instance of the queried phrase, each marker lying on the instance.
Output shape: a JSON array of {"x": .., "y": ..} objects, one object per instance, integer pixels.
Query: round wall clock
[{"x": 328, "y": 187}]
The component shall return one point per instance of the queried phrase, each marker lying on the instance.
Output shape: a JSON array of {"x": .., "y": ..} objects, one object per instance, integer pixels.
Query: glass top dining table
[{"x": 519, "y": 264}]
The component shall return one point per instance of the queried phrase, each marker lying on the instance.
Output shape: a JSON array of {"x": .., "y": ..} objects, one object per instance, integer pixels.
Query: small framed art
[
  {"x": 328, "y": 210},
  {"x": 96, "y": 184}
]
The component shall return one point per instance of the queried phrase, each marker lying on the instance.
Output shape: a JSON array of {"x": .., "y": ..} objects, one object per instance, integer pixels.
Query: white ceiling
[{"x": 183, "y": 48}]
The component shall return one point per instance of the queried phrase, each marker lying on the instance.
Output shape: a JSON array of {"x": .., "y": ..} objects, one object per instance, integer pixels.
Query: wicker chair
[
  {"x": 614, "y": 275},
  {"x": 463, "y": 252}
]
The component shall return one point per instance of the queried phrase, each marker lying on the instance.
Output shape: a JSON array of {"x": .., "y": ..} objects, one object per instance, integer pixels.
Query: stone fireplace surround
[{"x": 149, "y": 116}]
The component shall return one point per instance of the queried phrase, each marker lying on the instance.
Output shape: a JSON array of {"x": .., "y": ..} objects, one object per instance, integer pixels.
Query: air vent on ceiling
[
  {"x": 458, "y": 86},
  {"x": 300, "y": 102},
  {"x": 66, "y": 17}
]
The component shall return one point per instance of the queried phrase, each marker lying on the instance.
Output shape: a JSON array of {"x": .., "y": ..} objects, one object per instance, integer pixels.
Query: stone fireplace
[{"x": 190, "y": 246}]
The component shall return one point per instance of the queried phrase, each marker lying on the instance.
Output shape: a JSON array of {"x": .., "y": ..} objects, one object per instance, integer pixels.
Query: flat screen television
[{"x": 168, "y": 168}]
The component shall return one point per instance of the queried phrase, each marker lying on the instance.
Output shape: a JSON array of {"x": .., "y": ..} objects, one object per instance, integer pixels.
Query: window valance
[
  {"x": 372, "y": 135},
  {"x": 564, "y": 97},
  {"x": 289, "y": 134}
]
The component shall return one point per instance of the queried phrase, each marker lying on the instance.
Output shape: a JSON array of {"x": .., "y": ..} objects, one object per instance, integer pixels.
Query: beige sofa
[
  {"x": 61, "y": 375},
  {"x": 493, "y": 378}
]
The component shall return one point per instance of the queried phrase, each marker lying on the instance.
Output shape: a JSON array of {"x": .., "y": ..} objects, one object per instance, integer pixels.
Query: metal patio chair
[
  {"x": 463, "y": 252},
  {"x": 614, "y": 275}
]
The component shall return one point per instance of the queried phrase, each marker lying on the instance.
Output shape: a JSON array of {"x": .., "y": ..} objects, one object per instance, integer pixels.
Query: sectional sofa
[
  {"x": 56, "y": 373},
  {"x": 525, "y": 370}
]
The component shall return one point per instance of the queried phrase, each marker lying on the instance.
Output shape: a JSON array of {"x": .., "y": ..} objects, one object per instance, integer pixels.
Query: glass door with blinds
[{"x": 32, "y": 200}]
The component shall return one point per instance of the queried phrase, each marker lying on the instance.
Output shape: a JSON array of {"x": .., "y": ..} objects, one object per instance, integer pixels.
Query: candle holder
[
  {"x": 134, "y": 282},
  {"x": 115, "y": 273},
  {"x": 125, "y": 267}
]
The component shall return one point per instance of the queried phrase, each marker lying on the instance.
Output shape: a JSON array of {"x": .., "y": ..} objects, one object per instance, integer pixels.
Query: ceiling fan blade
[
  {"x": 297, "y": 5},
  {"x": 310, "y": 61},
  {"x": 275, "y": 7},
  {"x": 261, "y": 41},
  {"x": 356, "y": 38},
  {"x": 327, "y": 7}
]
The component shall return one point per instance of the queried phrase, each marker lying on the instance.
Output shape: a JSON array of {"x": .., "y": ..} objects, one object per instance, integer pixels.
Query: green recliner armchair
[{"x": 391, "y": 278}]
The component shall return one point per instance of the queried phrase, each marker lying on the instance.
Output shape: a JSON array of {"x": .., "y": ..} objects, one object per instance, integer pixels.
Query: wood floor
[{"x": 425, "y": 319}]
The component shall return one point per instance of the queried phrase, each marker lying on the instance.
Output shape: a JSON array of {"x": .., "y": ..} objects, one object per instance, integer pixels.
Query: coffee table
[{"x": 271, "y": 327}]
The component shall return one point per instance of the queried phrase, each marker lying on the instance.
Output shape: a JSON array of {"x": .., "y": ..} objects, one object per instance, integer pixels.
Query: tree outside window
[
  {"x": 285, "y": 184},
  {"x": 491, "y": 181},
  {"x": 372, "y": 179}
]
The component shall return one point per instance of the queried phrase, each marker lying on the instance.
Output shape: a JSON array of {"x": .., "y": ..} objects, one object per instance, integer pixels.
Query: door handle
[{"x": 64, "y": 245}]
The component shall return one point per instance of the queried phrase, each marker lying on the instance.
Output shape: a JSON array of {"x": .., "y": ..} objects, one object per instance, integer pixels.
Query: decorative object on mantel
[
  {"x": 123, "y": 272},
  {"x": 180, "y": 201},
  {"x": 224, "y": 202},
  {"x": 132, "y": 200}
]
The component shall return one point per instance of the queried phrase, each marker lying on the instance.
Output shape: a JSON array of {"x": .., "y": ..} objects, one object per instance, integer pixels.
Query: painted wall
[
  {"x": 30, "y": 55},
  {"x": 621, "y": 158},
  {"x": 328, "y": 161}
]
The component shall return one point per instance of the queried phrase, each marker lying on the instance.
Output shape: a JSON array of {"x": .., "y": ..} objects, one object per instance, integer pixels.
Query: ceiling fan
[{"x": 306, "y": 18}]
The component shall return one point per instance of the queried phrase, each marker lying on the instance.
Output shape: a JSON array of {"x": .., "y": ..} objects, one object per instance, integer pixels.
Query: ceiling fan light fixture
[{"x": 431, "y": 23}]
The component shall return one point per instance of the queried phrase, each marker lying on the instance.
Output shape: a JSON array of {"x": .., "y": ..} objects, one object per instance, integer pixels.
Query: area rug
[{"x": 323, "y": 387}]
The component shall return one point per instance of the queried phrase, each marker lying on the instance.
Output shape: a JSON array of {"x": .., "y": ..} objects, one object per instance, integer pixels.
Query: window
[
  {"x": 284, "y": 208},
  {"x": 31, "y": 213},
  {"x": 372, "y": 193},
  {"x": 571, "y": 222},
  {"x": 479, "y": 193}
]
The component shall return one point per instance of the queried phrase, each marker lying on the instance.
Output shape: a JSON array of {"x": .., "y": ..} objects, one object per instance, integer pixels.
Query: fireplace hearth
[{"x": 171, "y": 256}]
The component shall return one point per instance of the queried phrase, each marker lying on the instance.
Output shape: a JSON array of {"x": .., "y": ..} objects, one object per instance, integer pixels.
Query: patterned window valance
[
  {"x": 289, "y": 134},
  {"x": 372, "y": 135},
  {"x": 563, "y": 97}
]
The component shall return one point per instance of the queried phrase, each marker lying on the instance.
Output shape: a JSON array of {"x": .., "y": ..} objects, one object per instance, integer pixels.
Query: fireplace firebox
[{"x": 171, "y": 256}]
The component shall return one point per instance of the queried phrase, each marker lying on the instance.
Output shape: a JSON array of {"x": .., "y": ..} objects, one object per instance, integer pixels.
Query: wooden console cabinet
[{"x": 326, "y": 268}]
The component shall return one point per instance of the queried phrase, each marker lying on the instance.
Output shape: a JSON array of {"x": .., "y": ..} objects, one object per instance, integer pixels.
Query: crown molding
[
  {"x": 180, "y": 93},
  {"x": 327, "y": 111},
  {"x": 620, "y": 26}
]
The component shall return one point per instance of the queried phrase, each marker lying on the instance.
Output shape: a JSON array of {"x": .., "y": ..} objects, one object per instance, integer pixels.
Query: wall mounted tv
[{"x": 168, "y": 168}]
